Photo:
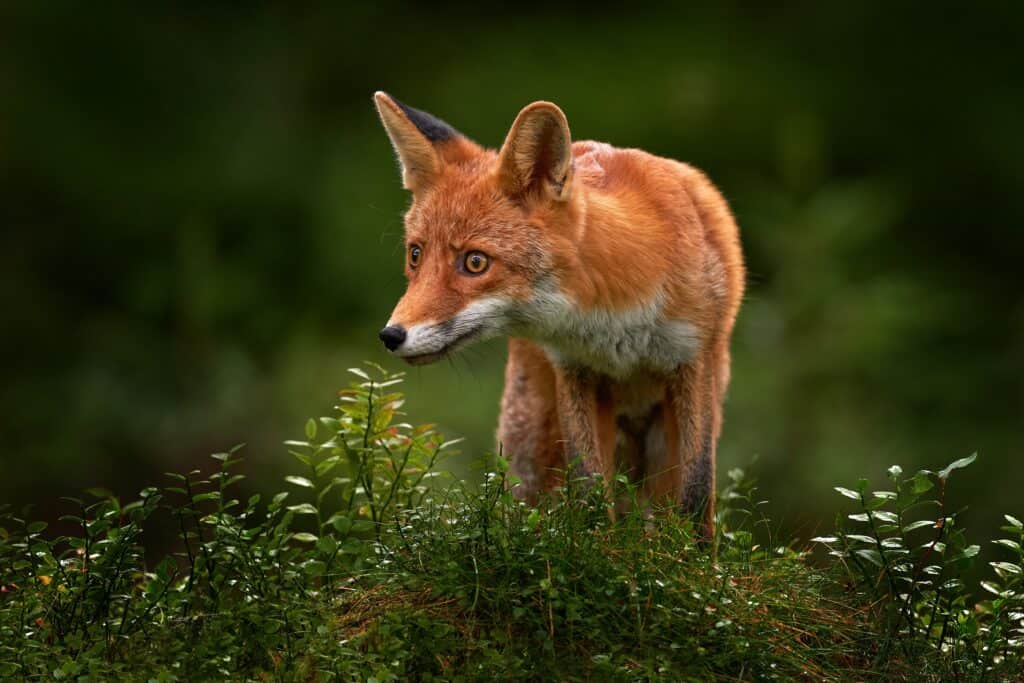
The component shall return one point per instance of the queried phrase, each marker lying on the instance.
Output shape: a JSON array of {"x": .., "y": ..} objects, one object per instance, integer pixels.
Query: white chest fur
[{"x": 617, "y": 343}]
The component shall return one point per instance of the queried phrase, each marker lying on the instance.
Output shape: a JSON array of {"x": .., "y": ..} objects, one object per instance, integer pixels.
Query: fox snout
[
  {"x": 421, "y": 343},
  {"x": 393, "y": 336},
  {"x": 430, "y": 340}
]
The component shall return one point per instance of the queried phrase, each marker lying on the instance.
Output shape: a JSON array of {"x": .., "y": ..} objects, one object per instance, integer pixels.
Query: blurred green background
[{"x": 202, "y": 224}]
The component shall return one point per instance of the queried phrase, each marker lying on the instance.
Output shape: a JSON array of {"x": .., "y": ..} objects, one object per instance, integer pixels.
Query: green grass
[{"x": 374, "y": 565}]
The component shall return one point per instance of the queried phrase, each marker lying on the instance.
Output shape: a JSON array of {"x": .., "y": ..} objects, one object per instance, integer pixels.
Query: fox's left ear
[
  {"x": 416, "y": 137},
  {"x": 537, "y": 154}
]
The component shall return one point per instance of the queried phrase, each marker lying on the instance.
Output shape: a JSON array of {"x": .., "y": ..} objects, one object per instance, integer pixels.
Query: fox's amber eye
[
  {"x": 476, "y": 262},
  {"x": 415, "y": 254}
]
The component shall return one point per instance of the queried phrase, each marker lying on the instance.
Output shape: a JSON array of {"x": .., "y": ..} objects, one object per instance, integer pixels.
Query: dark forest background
[{"x": 201, "y": 224}]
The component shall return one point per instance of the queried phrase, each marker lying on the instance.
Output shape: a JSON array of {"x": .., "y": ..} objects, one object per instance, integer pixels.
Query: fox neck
[
  {"x": 607, "y": 260},
  {"x": 592, "y": 311},
  {"x": 617, "y": 343}
]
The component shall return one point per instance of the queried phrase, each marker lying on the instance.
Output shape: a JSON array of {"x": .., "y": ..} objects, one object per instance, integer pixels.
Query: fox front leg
[
  {"x": 686, "y": 469},
  {"x": 587, "y": 418},
  {"x": 529, "y": 434}
]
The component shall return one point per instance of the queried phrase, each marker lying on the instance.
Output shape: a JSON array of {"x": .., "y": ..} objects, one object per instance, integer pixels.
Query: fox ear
[
  {"x": 413, "y": 134},
  {"x": 537, "y": 154}
]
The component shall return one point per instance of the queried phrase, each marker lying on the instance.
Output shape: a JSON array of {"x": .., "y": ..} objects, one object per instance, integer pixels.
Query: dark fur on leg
[{"x": 698, "y": 499}]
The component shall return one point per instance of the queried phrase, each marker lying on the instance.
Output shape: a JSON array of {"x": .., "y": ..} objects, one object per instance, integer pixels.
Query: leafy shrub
[
  {"x": 908, "y": 553},
  {"x": 374, "y": 566},
  {"x": 238, "y": 596}
]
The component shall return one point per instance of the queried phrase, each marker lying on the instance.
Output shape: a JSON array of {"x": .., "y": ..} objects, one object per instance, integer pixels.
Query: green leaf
[
  {"x": 919, "y": 524},
  {"x": 352, "y": 546},
  {"x": 302, "y": 457},
  {"x": 816, "y": 539},
  {"x": 362, "y": 526},
  {"x": 1014, "y": 521},
  {"x": 327, "y": 464},
  {"x": 952, "y": 584},
  {"x": 304, "y": 537},
  {"x": 848, "y": 493},
  {"x": 234, "y": 479},
  {"x": 303, "y": 509},
  {"x": 533, "y": 519},
  {"x": 957, "y": 465},
  {"x": 314, "y": 568},
  {"x": 299, "y": 481},
  {"x": 1005, "y": 568},
  {"x": 342, "y": 523},
  {"x": 921, "y": 482},
  {"x": 327, "y": 545},
  {"x": 860, "y": 538},
  {"x": 969, "y": 551},
  {"x": 359, "y": 373},
  {"x": 871, "y": 555},
  {"x": 894, "y": 472},
  {"x": 310, "y": 429}
]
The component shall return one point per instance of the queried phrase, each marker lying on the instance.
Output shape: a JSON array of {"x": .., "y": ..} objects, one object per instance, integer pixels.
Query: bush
[{"x": 375, "y": 566}]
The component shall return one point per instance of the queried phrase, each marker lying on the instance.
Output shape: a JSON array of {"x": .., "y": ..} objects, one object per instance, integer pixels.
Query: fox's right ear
[{"x": 414, "y": 135}]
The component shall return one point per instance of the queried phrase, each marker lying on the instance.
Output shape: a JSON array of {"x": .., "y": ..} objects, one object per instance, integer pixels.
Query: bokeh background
[{"x": 201, "y": 224}]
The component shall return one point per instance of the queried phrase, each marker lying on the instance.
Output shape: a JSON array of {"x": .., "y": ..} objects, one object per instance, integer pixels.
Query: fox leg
[
  {"x": 685, "y": 469},
  {"x": 528, "y": 429},
  {"x": 587, "y": 417}
]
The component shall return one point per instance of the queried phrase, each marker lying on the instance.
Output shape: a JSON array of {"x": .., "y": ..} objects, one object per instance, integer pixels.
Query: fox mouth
[
  {"x": 449, "y": 348},
  {"x": 426, "y": 358}
]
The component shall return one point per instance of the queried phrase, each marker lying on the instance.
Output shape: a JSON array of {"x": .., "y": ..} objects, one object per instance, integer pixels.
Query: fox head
[{"x": 485, "y": 229}]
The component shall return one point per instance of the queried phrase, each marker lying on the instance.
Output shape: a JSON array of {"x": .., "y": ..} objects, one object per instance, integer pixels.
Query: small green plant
[
  {"x": 373, "y": 565},
  {"x": 237, "y": 596},
  {"x": 365, "y": 469},
  {"x": 908, "y": 552}
]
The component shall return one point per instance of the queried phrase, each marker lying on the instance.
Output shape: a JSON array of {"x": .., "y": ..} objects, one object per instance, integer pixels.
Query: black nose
[{"x": 392, "y": 336}]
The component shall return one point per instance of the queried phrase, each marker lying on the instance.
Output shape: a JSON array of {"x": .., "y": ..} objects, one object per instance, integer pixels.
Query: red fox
[{"x": 616, "y": 274}]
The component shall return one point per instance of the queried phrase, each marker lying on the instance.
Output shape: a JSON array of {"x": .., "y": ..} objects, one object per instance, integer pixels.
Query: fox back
[{"x": 616, "y": 274}]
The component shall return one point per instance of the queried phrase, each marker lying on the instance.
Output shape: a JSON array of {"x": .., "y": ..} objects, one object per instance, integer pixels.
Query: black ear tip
[{"x": 433, "y": 128}]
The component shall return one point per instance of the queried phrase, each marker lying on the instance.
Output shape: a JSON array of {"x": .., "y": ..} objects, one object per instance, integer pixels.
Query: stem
[
  {"x": 210, "y": 564},
  {"x": 881, "y": 549},
  {"x": 395, "y": 481},
  {"x": 368, "y": 454},
  {"x": 188, "y": 551}
]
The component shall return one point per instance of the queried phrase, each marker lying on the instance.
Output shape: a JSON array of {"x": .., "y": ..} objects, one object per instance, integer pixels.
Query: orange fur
[{"x": 618, "y": 274}]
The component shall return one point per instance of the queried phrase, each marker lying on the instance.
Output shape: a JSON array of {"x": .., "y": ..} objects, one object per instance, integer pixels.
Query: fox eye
[
  {"x": 415, "y": 254},
  {"x": 476, "y": 262}
]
